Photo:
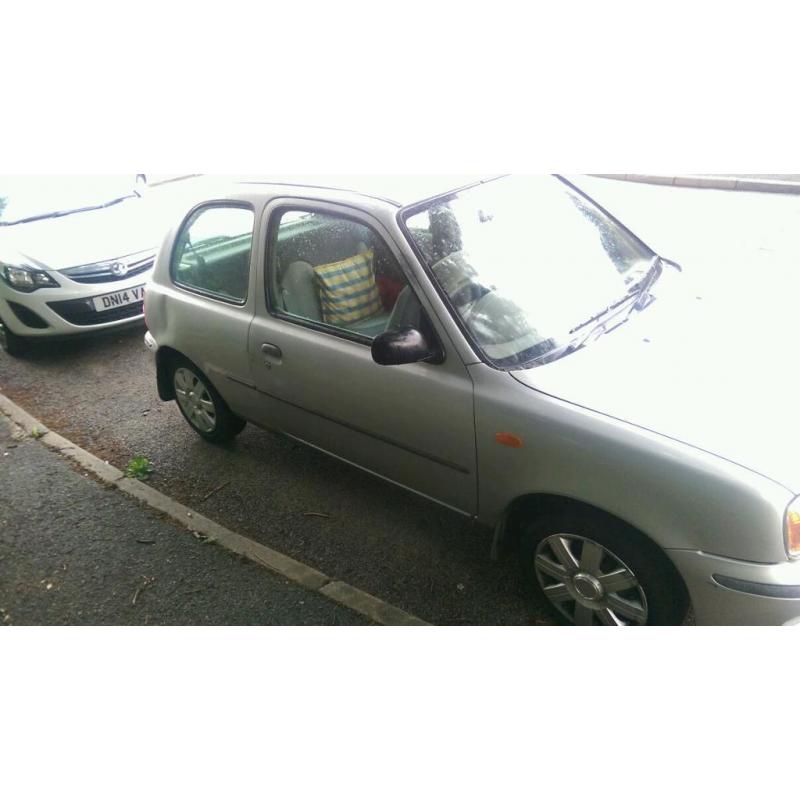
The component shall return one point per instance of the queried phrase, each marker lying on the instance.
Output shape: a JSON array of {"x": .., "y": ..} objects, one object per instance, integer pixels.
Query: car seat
[
  {"x": 407, "y": 312},
  {"x": 299, "y": 291},
  {"x": 300, "y": 294}
]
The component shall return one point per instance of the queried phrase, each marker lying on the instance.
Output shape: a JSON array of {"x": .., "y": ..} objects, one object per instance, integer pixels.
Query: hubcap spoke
[
  {"x": 551, "y": 568},
  {"x": 209, "y": 423},
  {"x": 618, "y": 581},
  {"x": 557, "y": 593},
  {"x": 591, "y": 556},
  {"x": 626, "y": 609},
  {"x": 560, "y": 548},
  {"x": 608, "y": 617}
]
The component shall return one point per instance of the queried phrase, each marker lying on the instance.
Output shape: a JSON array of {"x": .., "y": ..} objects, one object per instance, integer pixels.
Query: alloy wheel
[
  {"x": 195, "y": 400},
  {"x": 587, "y": 583}
]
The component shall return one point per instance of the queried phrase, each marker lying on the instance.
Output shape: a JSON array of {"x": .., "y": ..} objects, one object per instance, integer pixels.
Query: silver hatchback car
[{"x": 505, "y": 348}]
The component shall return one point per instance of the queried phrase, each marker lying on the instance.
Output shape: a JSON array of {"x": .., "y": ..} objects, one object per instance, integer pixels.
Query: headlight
[
  {"x": 793, "y": 528},
  {"x": 26, "y": 279}
]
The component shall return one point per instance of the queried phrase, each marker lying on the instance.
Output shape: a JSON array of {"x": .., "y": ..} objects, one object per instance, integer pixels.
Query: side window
[
  {"x": 336, "y": 272},
  {"x": 212, "y": 253}
]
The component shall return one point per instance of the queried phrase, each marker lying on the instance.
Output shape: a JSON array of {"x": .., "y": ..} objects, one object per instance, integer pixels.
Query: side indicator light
[{"x": 508, "y": 439}]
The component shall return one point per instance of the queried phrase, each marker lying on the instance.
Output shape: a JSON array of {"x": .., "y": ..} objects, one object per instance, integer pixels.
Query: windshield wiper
[{"x": 638, "y": 290}]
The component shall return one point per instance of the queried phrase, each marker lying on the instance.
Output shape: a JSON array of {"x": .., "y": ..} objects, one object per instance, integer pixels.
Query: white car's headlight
[
  {"x": 793, "y": 528},
  {"x": 26, "y": 279}
]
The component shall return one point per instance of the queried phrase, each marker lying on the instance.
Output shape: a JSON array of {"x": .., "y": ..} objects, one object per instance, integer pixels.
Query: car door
[{"x": 311, "y": 360}]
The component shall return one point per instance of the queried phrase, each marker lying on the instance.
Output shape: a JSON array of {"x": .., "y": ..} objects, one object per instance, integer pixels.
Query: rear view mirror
[{"x": 406, "y": 346}]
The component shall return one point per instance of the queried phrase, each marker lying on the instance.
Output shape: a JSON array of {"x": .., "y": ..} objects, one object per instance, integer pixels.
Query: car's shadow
[{"x": 44, "y": 350}]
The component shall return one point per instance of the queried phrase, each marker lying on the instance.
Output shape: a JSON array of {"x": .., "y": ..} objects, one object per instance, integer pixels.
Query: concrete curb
[
  {"x": 729, "y": 182},
  {"x": 373, "y": 608}
]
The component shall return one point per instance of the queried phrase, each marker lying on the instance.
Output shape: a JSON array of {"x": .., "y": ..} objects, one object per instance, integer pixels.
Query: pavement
[{"x": 74, "y": 551}]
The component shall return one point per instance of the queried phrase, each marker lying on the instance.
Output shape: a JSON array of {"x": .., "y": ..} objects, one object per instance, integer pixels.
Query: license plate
[{"x": 126, "y": 297}]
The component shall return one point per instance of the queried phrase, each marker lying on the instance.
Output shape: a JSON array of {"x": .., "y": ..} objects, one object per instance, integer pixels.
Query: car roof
[{"x": 399, "y": 190}]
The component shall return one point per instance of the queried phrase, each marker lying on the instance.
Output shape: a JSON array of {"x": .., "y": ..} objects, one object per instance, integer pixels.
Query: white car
[{"x": 75, "y": 254}]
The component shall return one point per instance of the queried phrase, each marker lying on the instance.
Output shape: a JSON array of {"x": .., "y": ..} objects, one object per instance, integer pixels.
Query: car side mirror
[{"x": 406, "y": 346}]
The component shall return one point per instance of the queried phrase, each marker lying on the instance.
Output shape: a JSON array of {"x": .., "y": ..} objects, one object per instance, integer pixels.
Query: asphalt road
[
  {"x": 101, "y": 393},
  {"x": 74, "y": 551}
]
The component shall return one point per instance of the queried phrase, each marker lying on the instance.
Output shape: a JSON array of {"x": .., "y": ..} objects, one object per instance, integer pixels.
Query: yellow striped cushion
[{"x": 347, "y": 290}]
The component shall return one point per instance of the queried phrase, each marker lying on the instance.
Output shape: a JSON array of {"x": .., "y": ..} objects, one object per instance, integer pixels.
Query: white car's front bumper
[
  {"x": 67, "y": 310},
  {"x": 729, "y": 592}
]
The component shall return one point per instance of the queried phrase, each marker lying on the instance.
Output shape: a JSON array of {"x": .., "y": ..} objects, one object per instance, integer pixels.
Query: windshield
[
  {"x": 29, "y": 196},
  {"x": 524, "y": 261}
]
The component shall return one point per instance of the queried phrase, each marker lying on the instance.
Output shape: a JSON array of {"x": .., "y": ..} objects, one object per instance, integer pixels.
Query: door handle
[{"x": 271, "y": 350}]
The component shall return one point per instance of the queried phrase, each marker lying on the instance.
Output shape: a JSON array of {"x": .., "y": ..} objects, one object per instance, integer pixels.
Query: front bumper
[
  {"x": 729, "y": 592},
  {"x": 67, "y": 310}
]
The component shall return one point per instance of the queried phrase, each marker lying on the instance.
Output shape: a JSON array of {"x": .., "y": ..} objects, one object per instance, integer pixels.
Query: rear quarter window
[{"x": 212, "y": 252}]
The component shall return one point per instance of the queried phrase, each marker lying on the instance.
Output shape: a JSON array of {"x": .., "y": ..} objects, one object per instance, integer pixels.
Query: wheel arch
[
  {"x": 165, "y": 357},
  {"x": 508, "y": 529}
]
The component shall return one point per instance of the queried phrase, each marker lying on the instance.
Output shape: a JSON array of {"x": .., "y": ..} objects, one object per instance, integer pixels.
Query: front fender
[{"x": 677, "y": 495}]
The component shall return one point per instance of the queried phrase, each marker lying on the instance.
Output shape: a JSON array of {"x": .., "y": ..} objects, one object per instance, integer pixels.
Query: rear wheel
[
  {"x": 201, "y": 404},
  {"x": 591, "y": 569},
  {"x": 12, "y": 344}
]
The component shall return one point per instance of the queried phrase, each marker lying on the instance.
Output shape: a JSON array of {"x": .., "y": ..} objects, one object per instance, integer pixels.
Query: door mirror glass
[{"x": 405, "y": 346}]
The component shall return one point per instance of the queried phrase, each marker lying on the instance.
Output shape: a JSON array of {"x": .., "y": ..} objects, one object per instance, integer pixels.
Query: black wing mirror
[{"x": 406, "y": 346}]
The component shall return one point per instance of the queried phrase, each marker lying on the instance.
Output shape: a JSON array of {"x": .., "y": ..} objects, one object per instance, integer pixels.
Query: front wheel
[
  {"x": 594, "y": 570},
  {"x": 202, "y": 406},
  {"x": 12, "y": 344}
]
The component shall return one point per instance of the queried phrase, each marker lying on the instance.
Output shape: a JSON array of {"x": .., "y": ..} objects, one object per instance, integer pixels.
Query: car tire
[
  {"x": 588, "y": 568},
  {"x": 201, "y": 404},
  {"x": 16, "y": 346}
]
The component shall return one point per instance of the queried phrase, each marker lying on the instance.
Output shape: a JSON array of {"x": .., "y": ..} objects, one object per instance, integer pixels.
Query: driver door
[{"x": 332, "y": 282}]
